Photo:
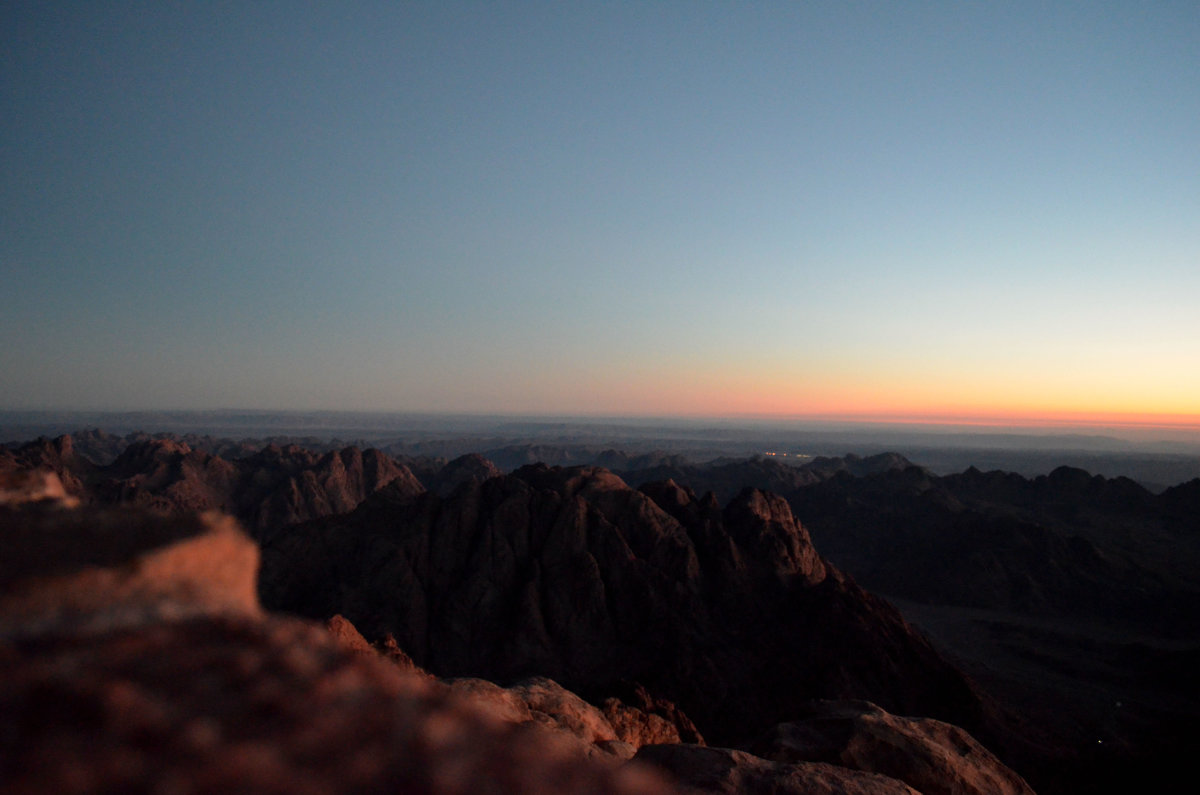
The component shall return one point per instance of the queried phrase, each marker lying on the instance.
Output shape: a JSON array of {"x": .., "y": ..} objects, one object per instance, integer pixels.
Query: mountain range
[{"x": 701, "y": 589}]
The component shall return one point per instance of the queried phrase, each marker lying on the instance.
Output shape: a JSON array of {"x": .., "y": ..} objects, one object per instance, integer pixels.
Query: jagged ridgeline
[
  {"x": 700, "y": 589},
  {"x": 571, "y": 573},
  {"x": 568, "y": 573}
]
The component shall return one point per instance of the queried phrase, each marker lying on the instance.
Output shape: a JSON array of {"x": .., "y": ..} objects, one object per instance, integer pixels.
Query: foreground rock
[
  {"x": 136, "y": 659},
  {"x": 71, "y": 571},
  {"x": 722, "y": 770},
  {"x": 211, "y": 704},
  {"x": 929, "y": 755},
  {"x": 616, "y": 729},
  {"x": 842, "y": 747}
]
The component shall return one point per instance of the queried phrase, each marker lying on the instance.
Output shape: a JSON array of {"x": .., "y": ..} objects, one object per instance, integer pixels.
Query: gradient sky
[{"x": 897, "y": 210}]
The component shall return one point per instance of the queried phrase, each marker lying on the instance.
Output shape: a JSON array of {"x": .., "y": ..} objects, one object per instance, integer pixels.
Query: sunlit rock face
[
  {"x": 217, "y": 704},
  {"x": 568, "y": 573},
  {"x": 91, "y": 571}
]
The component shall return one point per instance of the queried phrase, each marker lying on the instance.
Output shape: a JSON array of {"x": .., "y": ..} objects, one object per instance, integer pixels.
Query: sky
[{"x": 985, "y": 212}]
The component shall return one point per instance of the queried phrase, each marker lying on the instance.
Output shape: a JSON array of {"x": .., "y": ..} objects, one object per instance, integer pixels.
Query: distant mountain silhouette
[
  {"x": 270, "y": 487},
  {"x": 726, "y": 477},
  {"x": 1068, "y": 542}
]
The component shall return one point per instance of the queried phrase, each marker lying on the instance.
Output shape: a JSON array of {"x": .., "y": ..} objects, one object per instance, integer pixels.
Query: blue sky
[{"x": 884, "y": 209}]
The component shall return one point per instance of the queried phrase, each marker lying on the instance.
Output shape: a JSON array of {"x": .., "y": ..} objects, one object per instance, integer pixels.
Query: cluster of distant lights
[{"x": 785, "y": 455}]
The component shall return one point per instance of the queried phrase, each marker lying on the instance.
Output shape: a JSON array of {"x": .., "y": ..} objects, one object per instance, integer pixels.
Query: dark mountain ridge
[
  {"x": 270, "y": 487},
  {"x": 729, "y": 612},
  {"x": 591, "y": 581}
]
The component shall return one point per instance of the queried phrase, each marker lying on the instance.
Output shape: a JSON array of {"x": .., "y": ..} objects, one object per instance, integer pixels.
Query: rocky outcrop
[
  {"x": 348, "y": 638},
  {"x": 832, "y": 747},
  {"x": 282, "y": 485},
  {"x": 210, "y": 704},
  {"x": 472, "y": 468},
  {"x": 136, "y": 659},
  {"x": 933, "y": 757},
  {"x": 722, "y": 770},
  {"x": 616, "y": 729},
  {"x": 638, "y": 726},
  {"x": 1182, "y": 504},
  {"x": 87, "y": 572},
  {"x": 570, "y": 574}
]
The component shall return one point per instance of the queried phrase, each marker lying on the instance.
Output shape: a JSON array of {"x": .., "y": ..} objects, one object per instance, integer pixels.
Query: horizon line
[{"x": 981, "y": 420}]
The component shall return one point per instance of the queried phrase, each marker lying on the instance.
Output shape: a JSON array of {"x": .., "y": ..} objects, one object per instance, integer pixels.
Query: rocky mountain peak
[
  {"x": 764, "y": 527},
  {"x": 469, "y": 468},
  {"x": 571, "y": 574}
]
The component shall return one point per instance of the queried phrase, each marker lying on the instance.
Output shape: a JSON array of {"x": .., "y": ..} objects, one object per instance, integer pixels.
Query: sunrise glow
[{"x": 772, "y": 210}]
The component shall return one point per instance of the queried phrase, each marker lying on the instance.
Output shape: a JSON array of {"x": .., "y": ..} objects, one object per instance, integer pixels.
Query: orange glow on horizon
[
  {"x": 844, "y": 400},
  {"x": 1185, "y": 422},
  {"x": 915, "y": 392},
  {"x": 1017, "y": 413}
]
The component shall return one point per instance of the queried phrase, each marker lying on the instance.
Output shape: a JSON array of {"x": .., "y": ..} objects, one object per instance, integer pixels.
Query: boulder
[
  {"x": 91, "y": 571},
  {"x": 929, "y": 755},
  {"x": 721, "y": 770}
]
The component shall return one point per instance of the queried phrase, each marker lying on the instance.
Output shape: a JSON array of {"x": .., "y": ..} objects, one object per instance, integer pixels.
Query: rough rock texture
[
  {"x": 637, "y": 731},
  {"x": 1074, "y": 599},
  {"x": 545, "y": 703},
  {"x": 75, "y": 571},
  {"x": 617, "y": 730},
  {"x": 569, "y": 573},
  {"x": 191, "y": 691},
  {"x": 933, "y": 757},
  {"x": 350, "y": 639},
  {"x": 501, "y": 702},
  {"x": 638, "y": 728},
  {"x": 845, "y": 739},
  {"x": 208, "y": 705},
  {"x": 550, "y": 702},
  {"x": 721, "y": 770}
]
